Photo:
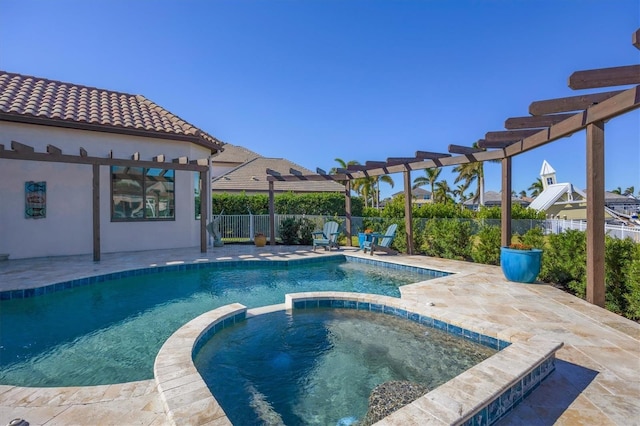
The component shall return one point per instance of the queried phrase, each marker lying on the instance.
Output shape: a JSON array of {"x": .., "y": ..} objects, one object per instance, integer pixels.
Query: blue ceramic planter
[{"x": 522, "y": 266}]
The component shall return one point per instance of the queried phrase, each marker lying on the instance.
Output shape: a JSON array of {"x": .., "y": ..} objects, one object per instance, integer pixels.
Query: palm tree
[
  {"x": 460, "y": 192},
  {"x": 523, "y": 194},
  {"x": 470, "y": 172},
  {"x": 384, "y": 178},
  {"x": 618, "y": 191},
  {"x": 629, "y": 191},
  {"x": 442, "y": 192},
  {"x": 364, "y": 186},
  {"x": 536, "y": 187},
  {"x": 430, "y": 178},
  {"x": 343, "y": 165}
]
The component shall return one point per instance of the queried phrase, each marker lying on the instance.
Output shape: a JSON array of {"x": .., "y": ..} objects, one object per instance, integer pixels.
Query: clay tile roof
[
  {"x": 234, "y": 154},
  {"x": 252, "y": 177},
  {"x": 42, "y": 101}
]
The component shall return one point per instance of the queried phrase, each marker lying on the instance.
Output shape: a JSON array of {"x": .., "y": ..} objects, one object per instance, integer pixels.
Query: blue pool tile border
[
  {"x": 216, "y": 327},
  {"x": 455, "y": 330},
  {"x": 231, "y": 264}
]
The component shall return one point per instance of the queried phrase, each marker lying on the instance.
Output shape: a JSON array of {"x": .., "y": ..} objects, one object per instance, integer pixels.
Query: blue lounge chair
[
  {"x": 328, "y": 237},
  {"x": 381, "y": 242}
]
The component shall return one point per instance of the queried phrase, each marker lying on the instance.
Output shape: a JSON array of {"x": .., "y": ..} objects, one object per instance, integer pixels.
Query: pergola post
[
  {"x": 595, "y": 214},
  {"x": 96, "y": 212},
  {"x": 505, "y": 218},
  {"x": 408, "y": 215},
  {"x": 347, "y": 209},
  {"x": 204, "y": 214},
  {"x": 272, "y": 216}
]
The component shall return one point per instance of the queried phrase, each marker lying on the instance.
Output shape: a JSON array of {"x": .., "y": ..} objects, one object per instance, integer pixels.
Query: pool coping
[{"x": 481, "y": 395}]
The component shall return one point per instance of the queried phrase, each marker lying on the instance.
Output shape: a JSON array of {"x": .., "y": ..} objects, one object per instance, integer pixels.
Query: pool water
[
  {"x": 111, "y": 332},
  {"x": 319, "y": 366}
]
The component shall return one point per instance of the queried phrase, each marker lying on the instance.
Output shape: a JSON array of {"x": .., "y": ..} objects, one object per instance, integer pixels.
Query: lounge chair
[
  {"x": 328, "y": 237},
  {"x": 381, "y": 242}
]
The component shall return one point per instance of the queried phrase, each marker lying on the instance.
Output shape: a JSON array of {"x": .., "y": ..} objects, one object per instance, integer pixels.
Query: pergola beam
[
  {"x": 635, "y": 39},
  {"x": 54, "y": 150},
  {"x": 605, "y": 77},
  {"x": 315, "y": 178},
  {"x": 85, "y": 159},
  {"x": 508, "y": 135},
  {"x": 495, "y": 144},
  {"x": 571, "y": 103},
  {"x": 426, "y": 155},
  {"x": 625, "y": 101},
  {"x": 536, "y": 121},
  {"x": 464, "y": 150}
]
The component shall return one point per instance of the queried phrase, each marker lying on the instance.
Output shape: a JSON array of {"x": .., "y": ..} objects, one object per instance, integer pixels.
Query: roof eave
[{"x": 52, "y": 122}]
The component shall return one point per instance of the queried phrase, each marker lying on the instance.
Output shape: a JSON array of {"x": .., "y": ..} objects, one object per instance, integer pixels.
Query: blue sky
[{"x": 359, "y": 79}]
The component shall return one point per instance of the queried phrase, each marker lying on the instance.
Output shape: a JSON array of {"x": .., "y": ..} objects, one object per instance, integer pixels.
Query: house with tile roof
[
  {"x": 251, "y": 178},
  {"x": 493, "y": 199},
  {"x": 84, "y": 168},
  {"x": 229, "y": 158}
]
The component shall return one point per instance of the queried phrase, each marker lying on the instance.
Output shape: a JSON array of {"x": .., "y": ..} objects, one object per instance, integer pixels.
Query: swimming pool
[{"x": 111, "y": 332}]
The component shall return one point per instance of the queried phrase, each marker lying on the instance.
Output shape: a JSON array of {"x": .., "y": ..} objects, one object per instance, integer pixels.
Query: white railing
[
  {"x": 555, "y": 226},
  {"x": 242, "y": 228}
]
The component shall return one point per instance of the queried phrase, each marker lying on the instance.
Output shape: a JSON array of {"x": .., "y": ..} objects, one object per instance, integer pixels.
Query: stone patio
[{"x": 596, "y": 381}]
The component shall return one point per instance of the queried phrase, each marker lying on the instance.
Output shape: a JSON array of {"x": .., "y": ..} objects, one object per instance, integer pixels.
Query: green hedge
[{"x": 326, "y": 204}]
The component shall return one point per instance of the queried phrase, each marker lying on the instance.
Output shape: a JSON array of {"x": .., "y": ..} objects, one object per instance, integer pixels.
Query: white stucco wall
[{"x": 67, "y": 229}]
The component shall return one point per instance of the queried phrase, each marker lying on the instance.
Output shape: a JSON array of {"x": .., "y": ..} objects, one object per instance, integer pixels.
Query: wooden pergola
[
  {"x": 54, "y": 154},
  {"x": 549, "y": 121}
]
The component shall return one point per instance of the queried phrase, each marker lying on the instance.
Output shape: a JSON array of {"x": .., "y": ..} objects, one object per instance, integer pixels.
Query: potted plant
[
  {"x": 362, "y": 236},
  {"x": 260, "y": 239},
  {"x": 520, "y": 263}
]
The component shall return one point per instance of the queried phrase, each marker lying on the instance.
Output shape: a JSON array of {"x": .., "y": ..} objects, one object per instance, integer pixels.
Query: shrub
[
  {"x": 324, "y": 203},
  {"x": 289, "y": 231},
  {"x": 534, "y": 237},
  {"x": 632, "y": 296},
  {"x": 618, "y": 260},
  {"x": 565, "y": 261},
  {"x": 305, "y": 231},
  {"x": 449, "y": 239},
  {"x": 487, "y": 248}
]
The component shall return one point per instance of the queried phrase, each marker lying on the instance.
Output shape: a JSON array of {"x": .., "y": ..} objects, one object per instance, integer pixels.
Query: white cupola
[{"x": 547, "y": 175}]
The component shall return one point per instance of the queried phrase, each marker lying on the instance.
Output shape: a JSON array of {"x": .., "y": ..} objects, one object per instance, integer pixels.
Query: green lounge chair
[
  {"x": 380, "y": 242},
  {"x": 328, "y": 237}
]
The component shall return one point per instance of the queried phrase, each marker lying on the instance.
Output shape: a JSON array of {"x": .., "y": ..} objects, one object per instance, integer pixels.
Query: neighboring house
[
  {"x": 251, "y": 178},
  {"x": 229, "y": 158},
  {"x": 420, "y": 196},
  {"x": 493, "y": 199},
  {"x": 140, "y": 152},
  {"x": 564, "y": 201}
]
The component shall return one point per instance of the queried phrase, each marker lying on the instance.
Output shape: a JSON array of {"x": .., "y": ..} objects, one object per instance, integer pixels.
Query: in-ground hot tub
[{"x": 480, "y": 395}]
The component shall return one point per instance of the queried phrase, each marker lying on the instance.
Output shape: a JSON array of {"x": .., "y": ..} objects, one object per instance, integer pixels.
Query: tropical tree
[
  {"x": 629, "y": 191},
  {"x": 343, "y": 165},
  {"x": 384, "y": 178},
  {"x": 470, "y": 172},
  {"x": 618, "y": 191},
  {"x": 430, "y": 178},
  {"x": 364, "y": 187},
  {"x": 460, "y": 192},
  {"x": 523, "y": 194},
  {"x": 536, "y": 187},
  {"x": 442, "y": 192}
]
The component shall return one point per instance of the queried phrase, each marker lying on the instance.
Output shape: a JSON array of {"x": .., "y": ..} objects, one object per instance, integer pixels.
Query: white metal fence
[{"x": 242, "y": 228}]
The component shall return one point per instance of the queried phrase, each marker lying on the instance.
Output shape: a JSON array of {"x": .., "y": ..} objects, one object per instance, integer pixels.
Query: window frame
[{"x": 145, "y": 183}]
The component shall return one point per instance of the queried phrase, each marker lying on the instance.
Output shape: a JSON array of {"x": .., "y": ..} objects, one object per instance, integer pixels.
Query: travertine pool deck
[{"x": 596, "y": 381}]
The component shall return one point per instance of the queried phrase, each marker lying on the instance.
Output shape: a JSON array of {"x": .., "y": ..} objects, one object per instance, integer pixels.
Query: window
[
  {"x": 549, "y": 181},
  {"x": 139, "y": 193}
]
